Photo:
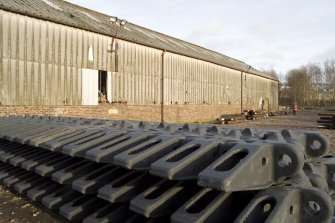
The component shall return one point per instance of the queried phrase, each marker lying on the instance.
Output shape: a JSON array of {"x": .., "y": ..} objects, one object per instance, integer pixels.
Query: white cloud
[{"x": 325, "y": 55}]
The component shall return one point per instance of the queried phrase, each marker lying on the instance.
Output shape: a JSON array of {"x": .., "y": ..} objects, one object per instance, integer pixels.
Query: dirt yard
[
  {"x": 303, "y": 120},
  {"x": 16, "y": 208}
]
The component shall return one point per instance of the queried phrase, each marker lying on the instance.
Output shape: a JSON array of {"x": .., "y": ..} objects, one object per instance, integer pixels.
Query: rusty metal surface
[{"x": 235, "y": 174}]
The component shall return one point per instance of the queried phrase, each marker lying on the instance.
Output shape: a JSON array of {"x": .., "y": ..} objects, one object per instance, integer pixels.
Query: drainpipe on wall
[
  {"x": 116, "y": 56},
  {"x": 114, "y": 49},
  {"x": 241, "y": 92},
  {"x": 278, "y": 90},
  {"x": 162, "y": 87}
]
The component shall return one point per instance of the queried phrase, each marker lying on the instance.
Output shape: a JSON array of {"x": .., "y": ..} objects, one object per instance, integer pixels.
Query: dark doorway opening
[{"x": 102, "y": 82}]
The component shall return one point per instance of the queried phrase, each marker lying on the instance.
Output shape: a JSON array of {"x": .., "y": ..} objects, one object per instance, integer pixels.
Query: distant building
[{"x": 57, "y": 58}]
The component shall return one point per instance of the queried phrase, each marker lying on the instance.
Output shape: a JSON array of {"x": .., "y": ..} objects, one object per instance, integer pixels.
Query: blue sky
[{"x": 278, "y": 34}]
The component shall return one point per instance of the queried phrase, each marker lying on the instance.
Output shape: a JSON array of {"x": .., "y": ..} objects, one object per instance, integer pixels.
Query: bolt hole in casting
[
  {"x": 266, "y": 207},
  {"x": 291, "y": 210},
  {"x": 202, "y": 202},
  {"x": 264, "y": 161},
  {"x": 328, "y": 156},
  {"x": 261, "y": 211},
  {"x": 312, "y": 208},
  {"x": 179, "y": 156},
  {"x": 284, "y": 161},
  {"x": 287, "y": 184},
  {"x": 316, "y": 145},
  {"x": 232, "y": 161}
]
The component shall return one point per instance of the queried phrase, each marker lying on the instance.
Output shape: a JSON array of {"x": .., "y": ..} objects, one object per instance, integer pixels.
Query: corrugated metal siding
[
  {"x": 186, "y": 80},
  {"x": 274, "y": 96},
  {"x": 190, "y": 81},
  {"x": 41, "y": 61},
  {"x": 139, "y": 76},
  {"x": 75, "y": 16},
  {"x": 2, "y": 90},
  {"x": 256, "y": 89}
]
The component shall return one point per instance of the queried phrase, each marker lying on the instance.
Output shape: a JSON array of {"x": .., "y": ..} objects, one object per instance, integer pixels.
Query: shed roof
[{"x": 66, "y": 13}]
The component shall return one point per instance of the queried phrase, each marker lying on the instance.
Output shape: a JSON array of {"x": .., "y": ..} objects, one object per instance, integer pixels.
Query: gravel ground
[
  {"x": 16, "y": 208},
  {"x": 303, "y": 120}
]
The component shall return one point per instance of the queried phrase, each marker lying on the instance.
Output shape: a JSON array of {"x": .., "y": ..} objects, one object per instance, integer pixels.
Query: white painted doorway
[
  {"x": 109, "y": 86},
  {"x": 89, "y": 90}
]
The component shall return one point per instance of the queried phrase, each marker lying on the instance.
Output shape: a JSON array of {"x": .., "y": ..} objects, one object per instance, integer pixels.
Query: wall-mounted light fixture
[
  {"x": 123, "y": 23},
  {"x": 113, "y": 19},
  {"x": 118, "y": 22}
]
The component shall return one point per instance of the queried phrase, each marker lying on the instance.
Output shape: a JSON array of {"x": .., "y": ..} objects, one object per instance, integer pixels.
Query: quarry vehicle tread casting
[{"x": 129, "y": 171}]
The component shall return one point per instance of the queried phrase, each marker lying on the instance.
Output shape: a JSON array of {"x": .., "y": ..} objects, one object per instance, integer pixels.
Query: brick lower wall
[{"x": 172, "y": 113}]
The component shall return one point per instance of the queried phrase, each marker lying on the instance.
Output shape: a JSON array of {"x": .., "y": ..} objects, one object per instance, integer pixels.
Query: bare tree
[
  {"x": 298, "y": 82},
  {"x": 271, "y": 72},
  {"x": 329, "y": 74},
  {"x": 314, "y": 74},
  {"x": 313, "y": 84}
]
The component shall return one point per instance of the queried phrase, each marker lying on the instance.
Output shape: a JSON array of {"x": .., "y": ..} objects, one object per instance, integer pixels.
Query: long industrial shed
[{"x": 57, "y": 58}]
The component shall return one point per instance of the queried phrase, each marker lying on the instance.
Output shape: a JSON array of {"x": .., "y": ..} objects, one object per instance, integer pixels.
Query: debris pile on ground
[
  {"x": 99, "y": 171},
  {"x": 246, "y": 115}
]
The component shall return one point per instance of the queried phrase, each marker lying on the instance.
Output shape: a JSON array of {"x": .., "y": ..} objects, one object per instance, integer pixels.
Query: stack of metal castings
[
  {"x": 127, "y": 171},
  {"x": 326, "y": 120}
]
